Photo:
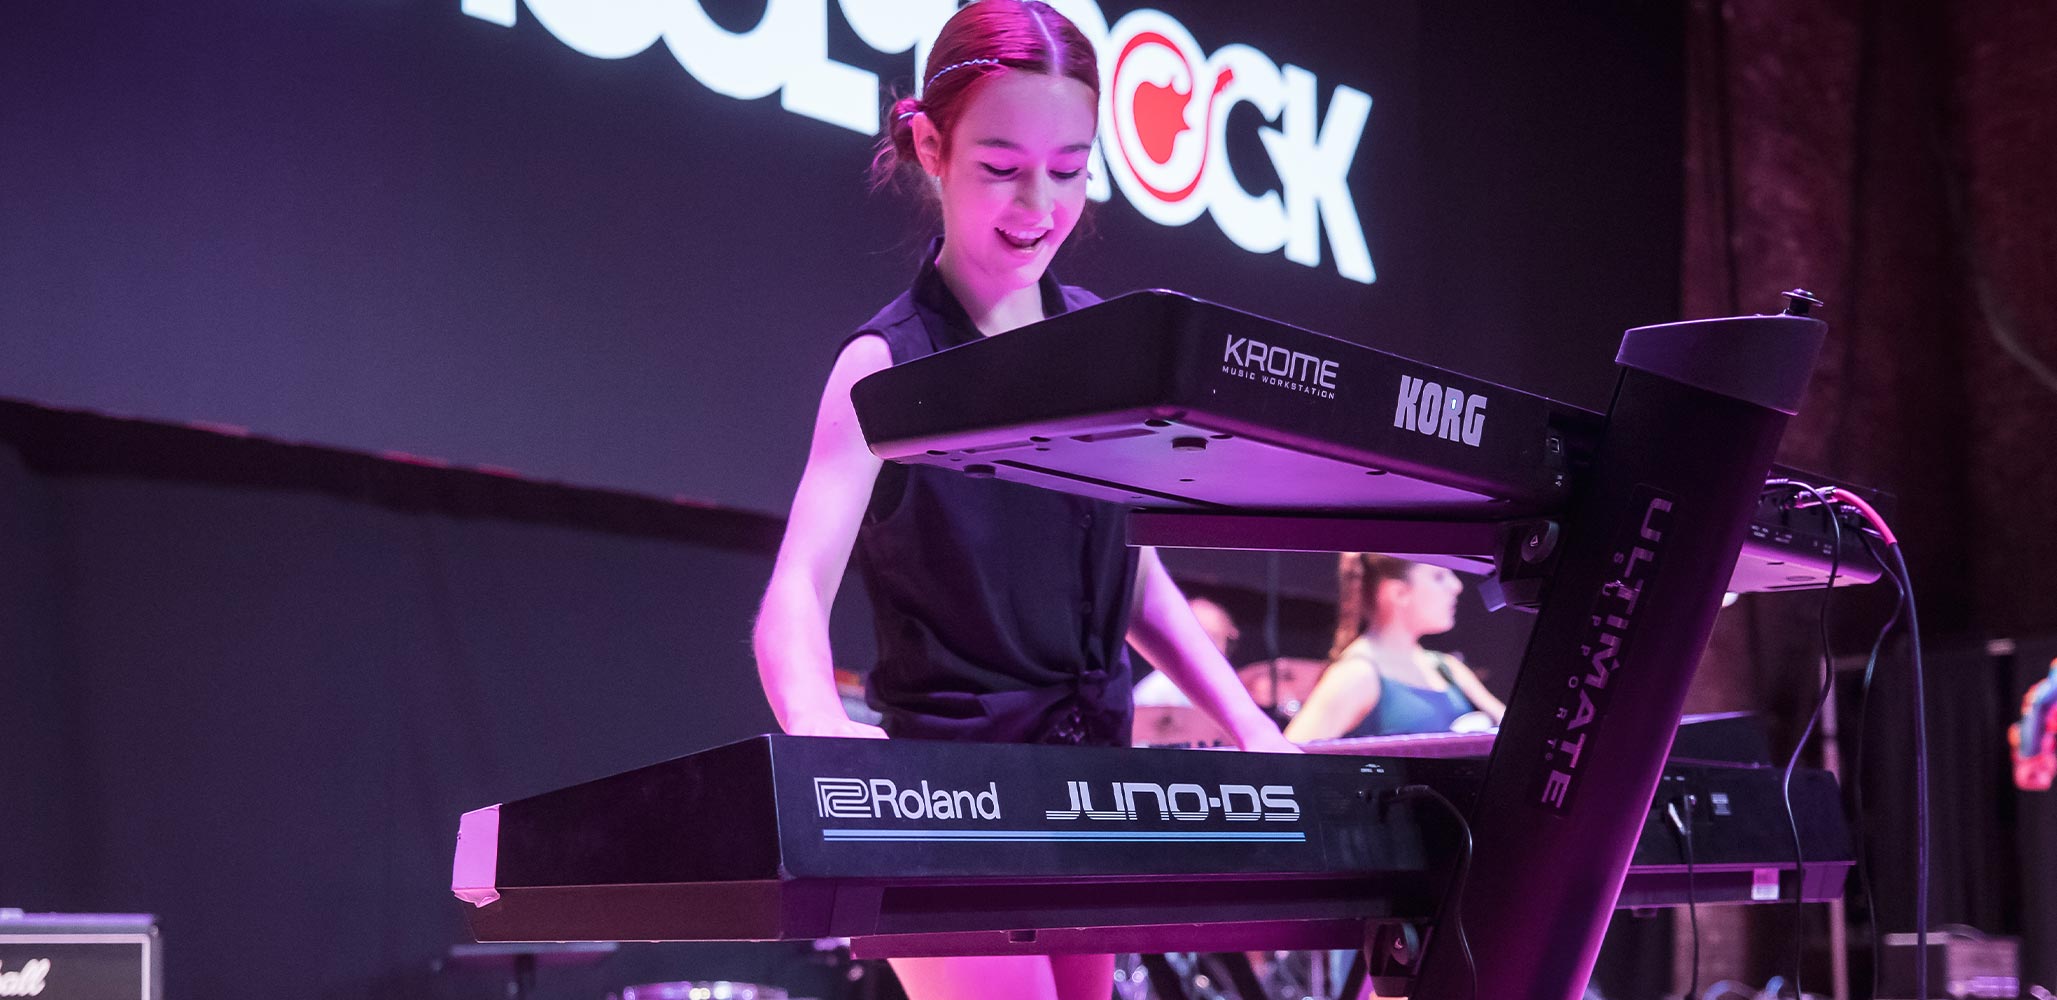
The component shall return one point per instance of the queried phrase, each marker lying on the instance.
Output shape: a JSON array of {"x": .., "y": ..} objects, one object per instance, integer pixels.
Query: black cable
[
  {"x": 1857, "y": 759},
  {"x": 1271, "y": 647},
  {"x": 1827, "y": 687},
  {"x": 1684, "y": 826},
  {"x": 1897, "y": 571},
  {"x": 1920, "y": 779},
  {"x": 1455, "y": 897},
  {"x": 1271, "y": 600}
]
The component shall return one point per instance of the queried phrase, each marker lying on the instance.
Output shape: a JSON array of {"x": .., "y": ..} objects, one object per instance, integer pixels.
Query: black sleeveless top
[{"x": 1001, "y": 609}]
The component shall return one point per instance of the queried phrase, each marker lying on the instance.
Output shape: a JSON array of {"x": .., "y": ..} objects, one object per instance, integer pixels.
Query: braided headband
[{"x": 937, "y": 75}]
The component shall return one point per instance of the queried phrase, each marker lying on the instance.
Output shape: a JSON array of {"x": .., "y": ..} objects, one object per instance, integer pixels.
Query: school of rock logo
[
  {"x": 1164, "y": 129},
  {"x": 1163, "y": 118}
]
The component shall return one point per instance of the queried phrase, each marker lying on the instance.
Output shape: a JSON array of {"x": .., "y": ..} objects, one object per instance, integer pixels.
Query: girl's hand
[
  {"x": 836, "y": 725},
  {"x": 1268, "y": 740}
]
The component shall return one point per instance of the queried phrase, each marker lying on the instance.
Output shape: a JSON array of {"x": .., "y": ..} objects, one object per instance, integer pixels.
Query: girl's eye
[
  {"x": 1065, "y": 175},
  {"x": 993, "y": 171}
]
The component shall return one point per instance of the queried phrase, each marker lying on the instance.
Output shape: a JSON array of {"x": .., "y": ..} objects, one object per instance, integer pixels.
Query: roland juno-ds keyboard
[{"x": 918, "y": 847}]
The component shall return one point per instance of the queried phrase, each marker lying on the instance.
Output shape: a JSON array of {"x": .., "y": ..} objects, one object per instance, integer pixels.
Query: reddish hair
[
  {"x": 1358, "y": 575},
  {"x": 982, "y": 39}
]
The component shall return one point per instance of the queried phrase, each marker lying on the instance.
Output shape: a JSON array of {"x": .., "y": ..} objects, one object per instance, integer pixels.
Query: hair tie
[
  {"x": 937, "y": 75},
  {"x": 904, "y": 115}
]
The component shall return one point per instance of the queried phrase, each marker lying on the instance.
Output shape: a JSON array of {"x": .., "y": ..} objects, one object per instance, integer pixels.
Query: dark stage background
[
  {"x": 1894, "y": 156},
  {"x": 396, "y": 226},
  {"x": 250, "y": 686},
  {"x": 253, "y": 711}
]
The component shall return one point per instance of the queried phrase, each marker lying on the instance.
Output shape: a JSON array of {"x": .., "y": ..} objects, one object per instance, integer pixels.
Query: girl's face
[
  {"x": 1013, "y": 180},
  {"x": 1426, "y": 602}
]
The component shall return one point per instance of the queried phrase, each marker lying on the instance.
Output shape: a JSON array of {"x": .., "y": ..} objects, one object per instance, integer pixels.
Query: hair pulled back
[
  {"x": 980, "y": 40},
  {"x": 1358, "y": 576}
]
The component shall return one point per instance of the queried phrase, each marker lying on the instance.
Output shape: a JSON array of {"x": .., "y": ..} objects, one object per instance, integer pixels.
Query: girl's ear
[
  {"x": 1393, "y": 593},
  {"x": 928, "y": 144}
]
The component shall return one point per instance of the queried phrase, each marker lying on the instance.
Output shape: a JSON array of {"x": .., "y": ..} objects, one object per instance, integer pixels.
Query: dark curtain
[
  {"x": 258, "y": 712},
  {"x": 37, "y": 778},
  {"x": 1974, "y": 860},
  {"x": 1894, "y": 156}
]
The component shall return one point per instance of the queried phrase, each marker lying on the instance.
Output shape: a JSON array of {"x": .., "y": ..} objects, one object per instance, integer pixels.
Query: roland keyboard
[{"x": 923, "y": 848}]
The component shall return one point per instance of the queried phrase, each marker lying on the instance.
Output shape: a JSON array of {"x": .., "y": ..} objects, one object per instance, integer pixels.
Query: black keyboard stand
[
  {"x": 1626, "y": 582},
  {"x": 1230, "y": 968},
  {"x": 1646, "y": 551},
  {"x": 1164, "y": 980}
]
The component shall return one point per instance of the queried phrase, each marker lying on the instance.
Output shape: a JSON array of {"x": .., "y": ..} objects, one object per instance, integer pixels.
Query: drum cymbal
[
  {"x": 1296, "y": 679},
  {"x": 1158, "y": 724}
]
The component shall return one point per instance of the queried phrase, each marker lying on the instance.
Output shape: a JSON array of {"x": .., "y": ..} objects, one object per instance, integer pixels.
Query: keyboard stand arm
[{"x": 1646, "y": 552}]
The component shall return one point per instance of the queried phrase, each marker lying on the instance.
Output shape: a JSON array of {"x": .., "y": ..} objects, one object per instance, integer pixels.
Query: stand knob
[{"x": 1799, "y": 301}]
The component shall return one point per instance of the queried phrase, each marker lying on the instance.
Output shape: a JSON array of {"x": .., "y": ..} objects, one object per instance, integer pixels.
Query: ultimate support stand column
[{"x": 1649, "y": 544}]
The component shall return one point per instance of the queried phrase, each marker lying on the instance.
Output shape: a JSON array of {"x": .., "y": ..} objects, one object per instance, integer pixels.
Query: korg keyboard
[{"x": 1227, "y": 430}]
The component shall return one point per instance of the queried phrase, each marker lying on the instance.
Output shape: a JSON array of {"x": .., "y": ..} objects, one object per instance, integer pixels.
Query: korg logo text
[
  {"x": 879, "y": 798},
  {"x": 1278, "y": 366},
  {"x": 1440, "y": 411}
]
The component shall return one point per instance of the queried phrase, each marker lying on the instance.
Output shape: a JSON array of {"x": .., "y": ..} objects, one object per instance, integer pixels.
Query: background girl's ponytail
[{"x": 1358, "y": 576}]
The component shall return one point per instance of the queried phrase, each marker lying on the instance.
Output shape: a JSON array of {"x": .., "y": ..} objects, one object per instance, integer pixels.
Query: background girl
[{"x": 1381, "y": 681}]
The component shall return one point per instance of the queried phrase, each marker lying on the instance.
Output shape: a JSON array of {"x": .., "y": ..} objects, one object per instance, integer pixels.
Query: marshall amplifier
[{"x": 80, "y": 956}]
